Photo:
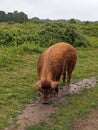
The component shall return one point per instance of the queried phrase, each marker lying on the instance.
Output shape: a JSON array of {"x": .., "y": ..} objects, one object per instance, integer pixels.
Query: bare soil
[{"x": 36, "y": 112}]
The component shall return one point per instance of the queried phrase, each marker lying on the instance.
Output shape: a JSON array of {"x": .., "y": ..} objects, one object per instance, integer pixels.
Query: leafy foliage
[
  {"x": 90, "y": 29},
  {"x": 60, "y": 32},
  {"x": 11, "y": 37},
  {"x": 43, "y": 34},
  {"x": 16, "y": 16}
]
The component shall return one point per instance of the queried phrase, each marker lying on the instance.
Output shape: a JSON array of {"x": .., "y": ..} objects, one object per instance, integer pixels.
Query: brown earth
[{"x": 35, "y": 112}]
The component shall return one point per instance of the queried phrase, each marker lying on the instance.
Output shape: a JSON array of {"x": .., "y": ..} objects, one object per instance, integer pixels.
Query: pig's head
[{"x": 46, "y": 87}]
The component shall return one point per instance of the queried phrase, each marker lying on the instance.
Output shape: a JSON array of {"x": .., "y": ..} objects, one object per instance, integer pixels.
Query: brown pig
[{"x": 52, "y": 63}]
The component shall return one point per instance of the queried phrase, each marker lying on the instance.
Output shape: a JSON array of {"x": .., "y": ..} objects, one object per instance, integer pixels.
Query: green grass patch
[
  {"x": 18, "y": 76},
  {"x": 93, "y": 41},
  {"x": 87, "y": 63}
]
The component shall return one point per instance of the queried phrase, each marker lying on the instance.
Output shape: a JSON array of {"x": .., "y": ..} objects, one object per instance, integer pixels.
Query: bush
[
  {"x": 75, "y": 37},
  {"x": 90, "y": 29},
  {"x": 51, "y": 33},
  {"x": 12, "y": 37},
  {"x": 44, "y": 35}
]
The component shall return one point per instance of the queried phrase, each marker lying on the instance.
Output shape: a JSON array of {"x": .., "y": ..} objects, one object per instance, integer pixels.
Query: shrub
[
  {"x": 44, "y": 35},
  {"x": 60, "y": 32},
  {"x": 12, "y": 37},
  {"x": 90, "y": 29},
  {"x": 75, "y": 37}
]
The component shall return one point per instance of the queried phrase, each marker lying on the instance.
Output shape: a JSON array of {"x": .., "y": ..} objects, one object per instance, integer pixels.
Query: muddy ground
[{"x": 35, "y": 112}]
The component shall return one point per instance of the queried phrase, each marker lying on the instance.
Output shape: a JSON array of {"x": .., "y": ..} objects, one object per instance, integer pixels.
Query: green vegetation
[
  {"x": 54, "y": 32},
  {"x": 21, "y": 45},
  {"x": 90, "y": 29},
  {"x": 16, "y": 16},
  {"x": 42, "y": 34},
  {"x": 17, "y": 77}
]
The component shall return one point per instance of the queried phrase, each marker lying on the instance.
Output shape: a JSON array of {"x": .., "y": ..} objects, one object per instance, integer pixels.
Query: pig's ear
[
  {"x": 54, "y": 84},
  {"x": 38, "y": 84}
]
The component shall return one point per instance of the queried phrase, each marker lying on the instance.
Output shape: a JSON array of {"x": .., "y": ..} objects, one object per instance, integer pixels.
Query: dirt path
[{"x": 36, "y": 112}]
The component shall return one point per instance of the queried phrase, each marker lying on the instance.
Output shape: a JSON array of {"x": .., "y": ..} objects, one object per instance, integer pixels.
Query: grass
[
  {"x": 93, "y": 41},
  {"x": 77, "y": 106},
  {"x": 18, "y": 76},
  {"x": 87, "y": 63}
]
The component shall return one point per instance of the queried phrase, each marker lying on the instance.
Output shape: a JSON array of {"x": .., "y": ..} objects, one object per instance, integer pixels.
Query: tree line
[{"x": 18, "y": 17}]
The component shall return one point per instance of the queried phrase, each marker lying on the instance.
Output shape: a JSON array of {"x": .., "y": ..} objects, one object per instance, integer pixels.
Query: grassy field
[
  {"x": 79, "y": 105},
  {"x": 17, "y": 78},
  {"x": 18, "y": 75}
]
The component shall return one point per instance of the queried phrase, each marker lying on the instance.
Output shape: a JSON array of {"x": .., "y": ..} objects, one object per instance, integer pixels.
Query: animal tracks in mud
[{"x": 37, "y": 112}]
